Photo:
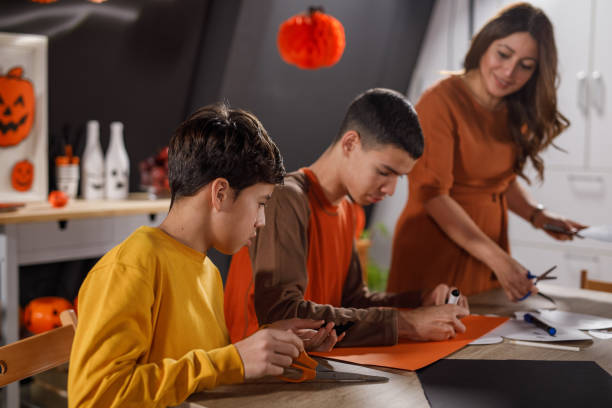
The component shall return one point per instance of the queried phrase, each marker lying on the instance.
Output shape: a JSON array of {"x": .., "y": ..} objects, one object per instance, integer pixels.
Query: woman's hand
[
  {"x": 513, "y": 278},
  {"x": 546, "y": 218}
]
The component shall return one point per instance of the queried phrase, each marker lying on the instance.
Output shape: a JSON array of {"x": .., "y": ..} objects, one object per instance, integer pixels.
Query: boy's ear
[
  {"x": 220, "y": 193},
  {"x": 349, "y": 141}
]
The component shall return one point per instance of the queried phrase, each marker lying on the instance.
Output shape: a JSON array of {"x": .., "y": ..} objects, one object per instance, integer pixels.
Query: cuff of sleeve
[
  {"x": 394, "y": 327},
  {"x": 228, "y": 363}
]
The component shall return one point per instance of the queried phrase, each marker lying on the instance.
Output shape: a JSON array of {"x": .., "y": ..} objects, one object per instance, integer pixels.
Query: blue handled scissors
[{"x": 543, "y": 276}]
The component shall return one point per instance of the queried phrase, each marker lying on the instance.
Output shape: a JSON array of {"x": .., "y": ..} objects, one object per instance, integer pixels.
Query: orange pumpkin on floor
[
  {"x": 17, "y": 107},
  {"x": 22, "y": 175},
  {"x": 42, "y": 314},
  {"x": 312, "y": 40}
]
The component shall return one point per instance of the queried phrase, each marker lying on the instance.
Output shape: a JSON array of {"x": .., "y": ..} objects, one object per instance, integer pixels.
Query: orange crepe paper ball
[{"x": 312, "y": 40}]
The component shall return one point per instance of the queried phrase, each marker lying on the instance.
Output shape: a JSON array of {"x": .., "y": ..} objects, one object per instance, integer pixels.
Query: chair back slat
[
  {"x": 586, "y": 283},
  {"x": 37, "y": 353}
]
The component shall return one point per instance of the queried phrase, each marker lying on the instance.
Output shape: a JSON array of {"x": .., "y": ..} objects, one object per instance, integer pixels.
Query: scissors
[
  {"x": 543, "y": 276},
  {"x": 306, "y": 368},
  {"x": 561, "y": 230}
]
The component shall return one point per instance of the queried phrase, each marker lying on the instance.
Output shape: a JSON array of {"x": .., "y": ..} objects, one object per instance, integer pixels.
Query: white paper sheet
[
  {"x": 569, "y": 320},
  {"x": 518, "y": 329},
  {"x": 598, "y": 232},
  {"x": 600, "y": 334}
]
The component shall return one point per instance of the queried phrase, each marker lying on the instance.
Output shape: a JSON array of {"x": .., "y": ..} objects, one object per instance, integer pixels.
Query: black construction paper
[{"x": 457, "y": 383}]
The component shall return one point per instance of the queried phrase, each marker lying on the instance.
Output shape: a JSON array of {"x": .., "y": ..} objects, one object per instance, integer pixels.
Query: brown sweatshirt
[{"x": 304, "y": 264}]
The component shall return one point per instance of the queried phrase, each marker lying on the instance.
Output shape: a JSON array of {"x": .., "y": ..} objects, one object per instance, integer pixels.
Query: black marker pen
[{"x": 529, "y": 318}]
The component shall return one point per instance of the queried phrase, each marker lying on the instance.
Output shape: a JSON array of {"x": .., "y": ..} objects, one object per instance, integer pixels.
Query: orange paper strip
[{"x": 412, "y": 355}]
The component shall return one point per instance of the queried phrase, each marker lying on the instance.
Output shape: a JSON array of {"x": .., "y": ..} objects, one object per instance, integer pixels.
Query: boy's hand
[
  {"x": 268, "y": 352},
  {"x": 431, "y": 322},
  {"x": 439, "y": 296},
  {"x": 315, "y": 337}
]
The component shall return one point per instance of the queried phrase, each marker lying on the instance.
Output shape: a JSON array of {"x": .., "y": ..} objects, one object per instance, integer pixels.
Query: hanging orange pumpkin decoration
[
  {"x": 42, "y": 314},
  {"x": 312, "y": 40},
  {"x": 22, "y": 175},
  {"x": 17, "y": 106}
]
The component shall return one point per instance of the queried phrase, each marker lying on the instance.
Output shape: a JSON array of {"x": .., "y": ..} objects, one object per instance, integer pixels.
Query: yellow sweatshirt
[{"x": 151, "y": 329}]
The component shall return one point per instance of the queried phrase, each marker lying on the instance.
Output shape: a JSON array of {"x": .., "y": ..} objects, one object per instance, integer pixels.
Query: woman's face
[{"x": 508, "y": 64}]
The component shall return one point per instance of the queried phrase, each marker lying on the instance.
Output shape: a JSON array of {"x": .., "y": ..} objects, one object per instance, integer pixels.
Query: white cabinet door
[
  {"x": 572, "y": 22},
  {"x": 583, "y": 196},
  {"x": 600, "y": 88},
  {"x": 484, "y": 10},
  {"x": 459, "y": 34}
]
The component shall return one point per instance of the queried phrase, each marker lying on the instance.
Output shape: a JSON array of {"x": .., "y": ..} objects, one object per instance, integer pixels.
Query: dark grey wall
[
  {"x": 127, "y": 60},
  {"x": 151, "y": 62},
  {"x": 302, "y": 109}
]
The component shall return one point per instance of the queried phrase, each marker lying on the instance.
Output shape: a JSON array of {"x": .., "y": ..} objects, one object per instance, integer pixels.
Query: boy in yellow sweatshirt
[{"x": 151, "y": 328}]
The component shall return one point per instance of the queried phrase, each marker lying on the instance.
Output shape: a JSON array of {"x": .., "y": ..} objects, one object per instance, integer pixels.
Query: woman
[{"x": 481, "y": 127}]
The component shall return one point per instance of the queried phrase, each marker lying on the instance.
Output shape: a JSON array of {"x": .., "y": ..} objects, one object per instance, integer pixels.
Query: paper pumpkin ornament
[
  {"x": 22, "y": 175},
  {"x": 43, "y": 314},
  {"x": 311, "y": 40},
  {"x": 17, "y": 107}
]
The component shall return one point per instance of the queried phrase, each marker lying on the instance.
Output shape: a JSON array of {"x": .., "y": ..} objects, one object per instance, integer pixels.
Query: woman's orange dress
[{"x": 469, "y": 155}]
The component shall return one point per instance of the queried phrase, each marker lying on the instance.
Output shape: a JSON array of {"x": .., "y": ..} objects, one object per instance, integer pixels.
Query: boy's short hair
[
  {"x": 217, "y": 141},
  {"x": 382, "y": 117}
]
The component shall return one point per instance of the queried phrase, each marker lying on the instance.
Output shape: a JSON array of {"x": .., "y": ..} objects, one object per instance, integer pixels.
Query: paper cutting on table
[{"x": 414, "y": 355}]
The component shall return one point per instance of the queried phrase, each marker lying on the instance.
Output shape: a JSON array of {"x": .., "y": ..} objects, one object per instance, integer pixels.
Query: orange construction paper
[{"x": 412, "y": 355}]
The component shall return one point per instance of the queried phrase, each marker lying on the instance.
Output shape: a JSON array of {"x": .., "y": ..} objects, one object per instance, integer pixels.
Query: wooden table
[
  {"x": 38, "y": 233},
  {"x": 404, "y": 388}
]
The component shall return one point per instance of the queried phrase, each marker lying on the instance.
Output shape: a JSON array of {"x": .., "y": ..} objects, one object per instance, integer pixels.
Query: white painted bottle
[
  {"x": 92, "y": 164},
  {"x": 117, "y": 165}
]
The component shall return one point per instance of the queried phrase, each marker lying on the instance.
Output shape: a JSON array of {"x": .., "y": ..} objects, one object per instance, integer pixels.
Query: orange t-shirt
[{"x": 330, "y": 244}]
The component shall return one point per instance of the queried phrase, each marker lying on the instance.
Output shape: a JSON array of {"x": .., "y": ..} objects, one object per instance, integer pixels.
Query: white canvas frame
[{"x": 30, "y": 52}]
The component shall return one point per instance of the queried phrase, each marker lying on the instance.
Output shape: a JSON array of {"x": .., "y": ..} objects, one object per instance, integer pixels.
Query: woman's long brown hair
[{"x": 532, "y": 111}]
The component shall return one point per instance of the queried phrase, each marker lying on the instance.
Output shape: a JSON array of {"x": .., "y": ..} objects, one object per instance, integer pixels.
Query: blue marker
[{"x": 529, "y": 318}]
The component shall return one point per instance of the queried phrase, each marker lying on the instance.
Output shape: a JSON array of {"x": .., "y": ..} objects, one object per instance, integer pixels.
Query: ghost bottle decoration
[
  {"x": 117, "y": 165},
  {"x": 92, "y": 173}
]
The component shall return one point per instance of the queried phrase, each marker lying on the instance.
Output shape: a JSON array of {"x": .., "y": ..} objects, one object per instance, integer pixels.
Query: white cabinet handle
[
  {"x": 598, "y": 93},
  {"x": 582, "y": 96}
]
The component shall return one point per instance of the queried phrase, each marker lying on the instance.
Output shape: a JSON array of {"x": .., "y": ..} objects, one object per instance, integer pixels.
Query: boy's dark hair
[
  {"x": 382, "y": 117},
  {"x": 217, "y": 141}
]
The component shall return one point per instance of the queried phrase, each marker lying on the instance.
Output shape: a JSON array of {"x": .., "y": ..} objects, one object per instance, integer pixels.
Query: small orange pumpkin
[
  {"x": 17, "y": 107},
  {"x": 22, "y": 175},
  {"x": 58, "y": 198},
  {"x": 312, "y": 40},
  {"x": 42, "y": 314}
]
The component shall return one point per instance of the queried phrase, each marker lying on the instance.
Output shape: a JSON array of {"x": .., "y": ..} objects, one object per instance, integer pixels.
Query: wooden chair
[
  {"x": 586, "y": 283},
  {"x": 38, "y": 353}
]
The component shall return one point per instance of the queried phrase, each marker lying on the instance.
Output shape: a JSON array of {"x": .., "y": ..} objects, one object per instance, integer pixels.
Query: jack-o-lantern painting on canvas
[
  {"x": 17, "y": 107},
  {"x": 22, "y": 175}
]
